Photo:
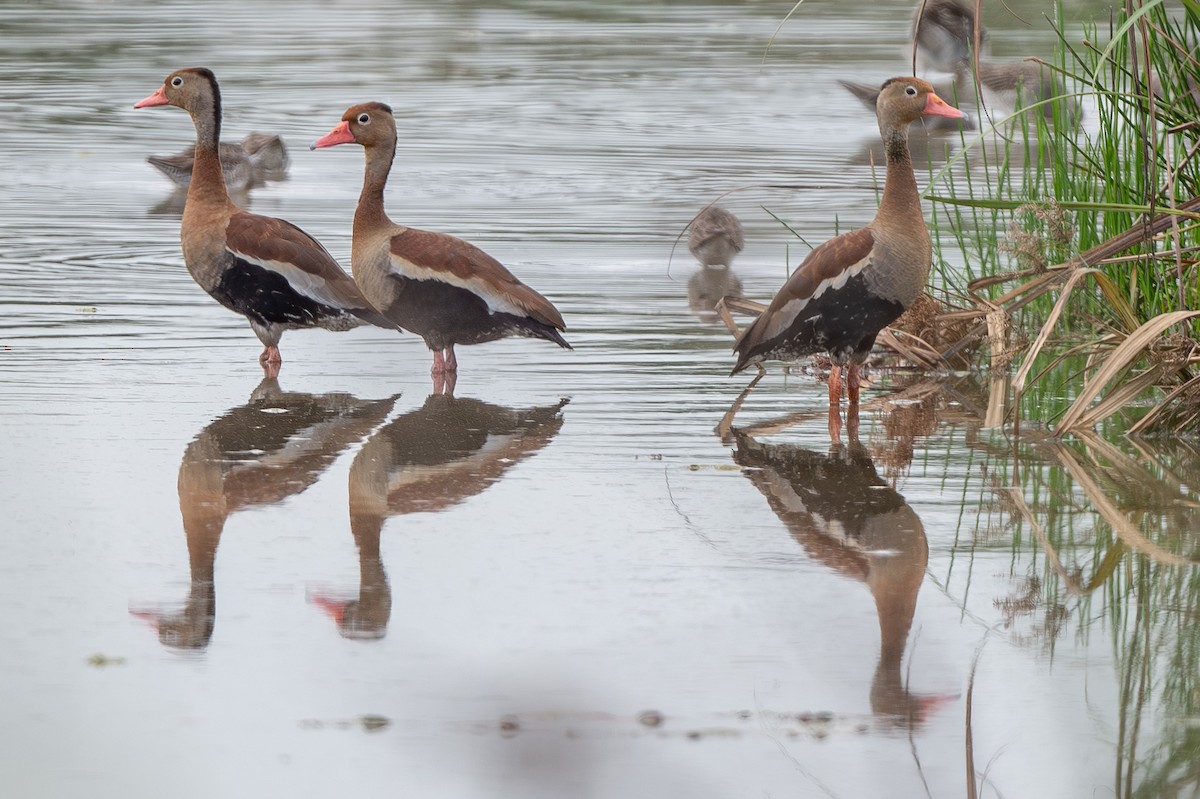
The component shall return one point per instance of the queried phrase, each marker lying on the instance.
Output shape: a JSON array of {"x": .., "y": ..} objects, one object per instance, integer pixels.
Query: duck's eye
[
  {"x": 911, "y": 91},
  {"x": 176, "y": 81},
  {"x": 363, "y": 119}
]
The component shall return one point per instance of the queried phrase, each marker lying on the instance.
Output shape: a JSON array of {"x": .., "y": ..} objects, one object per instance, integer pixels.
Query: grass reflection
[{"x": 1107, "y": 536}]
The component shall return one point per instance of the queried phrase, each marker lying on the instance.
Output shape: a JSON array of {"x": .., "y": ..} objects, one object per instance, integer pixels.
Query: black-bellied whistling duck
[
  {"x": 715, "y": 237},
  {"x": 440, "y": 287},
  {"x": 852, "y": 286},
  {"x": 270, "y": 271},
  {"x": 257, "y": 158}
]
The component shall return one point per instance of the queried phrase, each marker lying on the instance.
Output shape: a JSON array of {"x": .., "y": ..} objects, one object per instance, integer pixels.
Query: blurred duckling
[
  {"x": 715, "y": 237},
  {"x": 943, "y": 32},
  {"x": 257, "y": 158}
]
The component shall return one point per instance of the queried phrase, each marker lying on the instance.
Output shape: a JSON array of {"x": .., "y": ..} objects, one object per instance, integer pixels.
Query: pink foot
[{"x": 270, "y": 355}]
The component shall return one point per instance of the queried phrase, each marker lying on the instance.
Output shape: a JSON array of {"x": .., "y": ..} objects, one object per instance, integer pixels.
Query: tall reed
[{"x": 1087, "y": 230}]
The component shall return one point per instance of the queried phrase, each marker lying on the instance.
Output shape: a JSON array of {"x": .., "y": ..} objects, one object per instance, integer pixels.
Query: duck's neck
[
  {"x": 369, "y": 213},
  {"x": 208, "y": 181},
  {"x": 901, "y": 199}
]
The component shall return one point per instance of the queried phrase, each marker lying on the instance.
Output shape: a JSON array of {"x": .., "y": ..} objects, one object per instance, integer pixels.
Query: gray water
[{"x": 563, "y": 581}]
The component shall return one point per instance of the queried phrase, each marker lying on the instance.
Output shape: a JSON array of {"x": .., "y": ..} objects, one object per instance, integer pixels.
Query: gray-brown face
[
  {"x": 371, "y": 123},
  {"x": 190, "y": 89},
  {"x": 905, "y": 100}
]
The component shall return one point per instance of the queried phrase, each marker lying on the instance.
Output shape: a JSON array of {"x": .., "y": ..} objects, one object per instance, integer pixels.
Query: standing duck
[
  {"x": 270, "y": 271},
  {"x": 852, "y": 286},
  {"x": 440, "y": 287}
]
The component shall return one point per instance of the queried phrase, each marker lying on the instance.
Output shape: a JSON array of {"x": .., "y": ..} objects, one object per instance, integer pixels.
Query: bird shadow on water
[{"x": 279, "y": 443}]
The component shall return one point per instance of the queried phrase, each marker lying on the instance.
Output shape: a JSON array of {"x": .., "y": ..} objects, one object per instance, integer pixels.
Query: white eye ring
[
  {"x": 911, "y": 91},
  {"x": 363, "y": 119},
  {"x": 177, "y": 81}
]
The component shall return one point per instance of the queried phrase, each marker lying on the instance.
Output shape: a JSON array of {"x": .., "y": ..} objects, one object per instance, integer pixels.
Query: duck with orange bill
[
  {"x": 268, "y": 270},
  {"x": 851, "y": 287},
  {"x": 444, "y": 289}
]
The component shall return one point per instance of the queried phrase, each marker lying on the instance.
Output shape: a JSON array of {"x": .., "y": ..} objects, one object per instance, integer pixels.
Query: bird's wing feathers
[
  {"x": 285, "y": 249},
  {"x": 425, "y": 255},
  {"x": 827, "y": 267}
]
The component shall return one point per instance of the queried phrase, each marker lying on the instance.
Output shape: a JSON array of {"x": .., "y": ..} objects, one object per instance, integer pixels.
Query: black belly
[
  {"x": 266, "y": 298},
  {"x": 843, "y": 322},
  {"x": 445, "y": 315}
]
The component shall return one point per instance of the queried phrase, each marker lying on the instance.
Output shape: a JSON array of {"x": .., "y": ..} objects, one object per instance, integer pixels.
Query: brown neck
[
  {"x": 369, "y": 213},
  {"x": 900, "y": 196},
  {"x": 208, "y": 182}
]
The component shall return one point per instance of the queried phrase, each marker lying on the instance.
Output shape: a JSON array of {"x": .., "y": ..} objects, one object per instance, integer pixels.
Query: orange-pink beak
[
  {"x": 339, "y": 135},
  {"x": 158, "y": 98},
  {"x": 936, "y": 106}
]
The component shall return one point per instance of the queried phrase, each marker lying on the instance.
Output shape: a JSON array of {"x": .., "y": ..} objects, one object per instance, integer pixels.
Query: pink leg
[
  {"x": 270, "y": 355},
  {"x": 835, "y": 385},
  {"x": 444, "y": 363},
  {"x": 444, "y": 383},
  {"x": 853, "y": 382}
]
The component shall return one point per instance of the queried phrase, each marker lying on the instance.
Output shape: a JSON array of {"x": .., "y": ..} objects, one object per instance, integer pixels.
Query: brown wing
[
  {"x": 830, "y": 264},
  {"x": 424, "y": 255},
  {"x": 281, "y": 247}
]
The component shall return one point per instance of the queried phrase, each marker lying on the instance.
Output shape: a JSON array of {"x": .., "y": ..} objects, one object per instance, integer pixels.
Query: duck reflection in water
[
  {"x": 848, "y": 518},
  {"x": 273, "y": 447},
  {"x": 429, "y": 459}
]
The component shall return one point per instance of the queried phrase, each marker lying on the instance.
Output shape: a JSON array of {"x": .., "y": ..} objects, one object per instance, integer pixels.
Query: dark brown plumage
[{"x": 852, "y": 286}]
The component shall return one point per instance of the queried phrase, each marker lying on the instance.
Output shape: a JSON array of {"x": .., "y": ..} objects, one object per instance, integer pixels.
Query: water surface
[{"x": 562, "y": 581}]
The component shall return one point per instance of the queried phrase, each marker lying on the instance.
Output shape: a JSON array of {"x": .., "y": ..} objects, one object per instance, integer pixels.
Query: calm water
[{"x": 563, "y": 581}]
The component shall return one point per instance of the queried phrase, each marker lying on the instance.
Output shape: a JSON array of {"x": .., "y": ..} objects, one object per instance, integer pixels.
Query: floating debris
[
  {"x": 371, "y": 722},
  {"x": 100, "y": 661},
  {"x": 650, "y": 718}
]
